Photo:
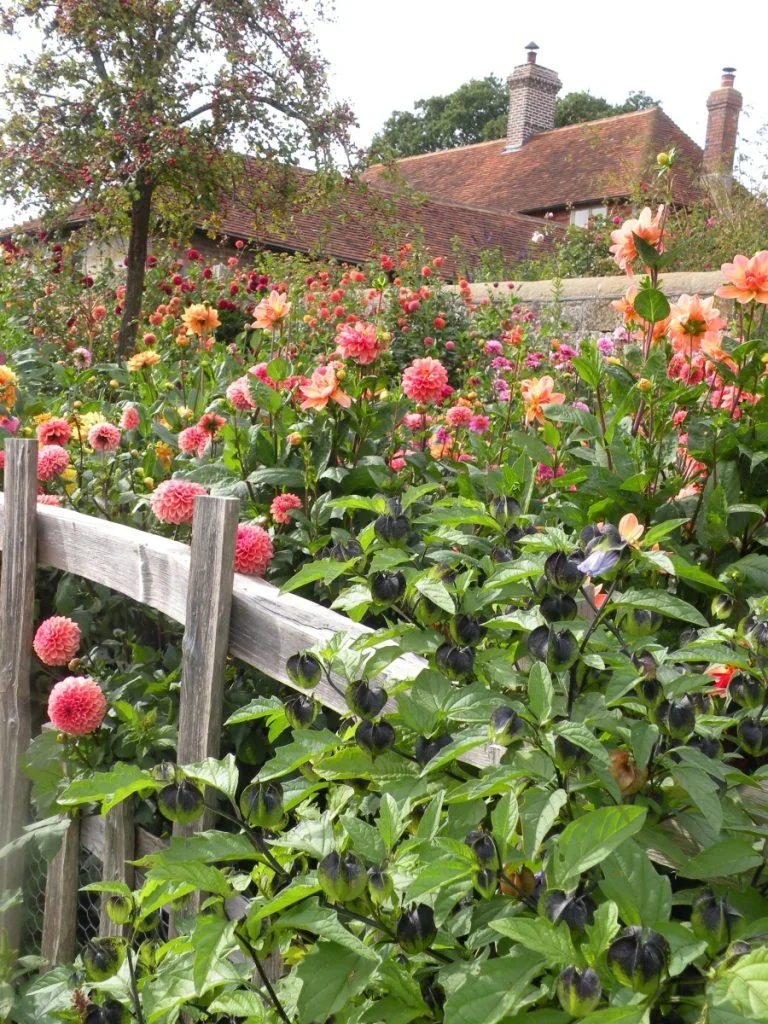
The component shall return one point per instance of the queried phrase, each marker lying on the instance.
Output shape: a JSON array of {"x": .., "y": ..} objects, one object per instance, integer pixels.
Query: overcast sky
[{"x": 385, "y": 56}]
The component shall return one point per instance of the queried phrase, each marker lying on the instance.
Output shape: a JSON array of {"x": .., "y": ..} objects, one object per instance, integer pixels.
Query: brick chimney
[
  {"x": 532, "y": 93},
  {"x": 723, "y": 105}
]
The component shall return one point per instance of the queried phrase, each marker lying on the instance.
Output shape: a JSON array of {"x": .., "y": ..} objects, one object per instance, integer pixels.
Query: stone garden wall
[{"x": 586, "y": 301}]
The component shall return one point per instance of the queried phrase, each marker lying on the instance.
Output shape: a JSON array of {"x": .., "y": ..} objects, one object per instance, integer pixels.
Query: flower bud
[
  {"x": 365, "y": 701},
  {"x": 506, "y": 726},
  {"x": 342, "y": 877},
  {"x": 392, "y": 530},
  {"x": 181, "y": 802},
  {"x": 261, "y": 804},
  {"x": 425, "y": 749},
  {"x": 504, "y": 510},
  {"x": 375, "y": 737},
  {"x": 345, "y": 550},
  {"x": 427, "y": 613},
  {"x": 569, "y": 755},
  {"x": 757, "y": 636},
  {"x": 709, "y": 747},
  {"x": 713, "y": 920},
  {"x": 119, "y": 908},
  {"x": 456, "y": 662},
  {"x": 746, "y": 691},
  {"x": 301, "y": 711},
  {"x": 722, "y": 607},
  {"x": 303, "y": 670},
  {"x": 416, "y": 929},
  {"x": 638, "y": 958},
  {"x": 501, "y": 554},
  {"x": 752, "y": 736},
  {"x": 650, "y": 692},
  {"x": 146, "y": 958},
  {"x": 645, "y": 663},
  {"x": 166, "y": 771},
  {"x": 562, "y": 571},
  {"x": 380, "y": 885},
  {"x": 486, "y": 881},
  {"x": 103, "y": 958},
  {"x": 387, "y": 587},
  {"x": 579, "y": 992},
  {"x": 466, "y": 630},
  {"x": 112, "y": 1012},
  {"x": 520, "y": 883},
  {"x": 676, "y": 718},
  {"x": 639, "y": 622},
  {"x": 576, "y": 911},
  {"x": 558, "y": 649},
  {"x": 558, "y": 607},
  {"x": 484, "y": 848}
]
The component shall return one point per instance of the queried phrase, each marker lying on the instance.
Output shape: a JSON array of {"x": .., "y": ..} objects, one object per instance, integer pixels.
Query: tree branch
[{"x": 196, "y": 112}]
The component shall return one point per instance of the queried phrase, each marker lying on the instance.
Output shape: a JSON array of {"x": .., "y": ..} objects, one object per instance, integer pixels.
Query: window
[{"x": 580, "y": 217}]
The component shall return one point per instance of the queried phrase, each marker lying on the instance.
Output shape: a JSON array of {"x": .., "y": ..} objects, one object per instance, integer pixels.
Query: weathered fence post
[
  {"x": 206, "y": 634},
  {"x": 119, "y": 850},
  {"x": 61, "y": 897},
  {"x": 17, "y": 608}
]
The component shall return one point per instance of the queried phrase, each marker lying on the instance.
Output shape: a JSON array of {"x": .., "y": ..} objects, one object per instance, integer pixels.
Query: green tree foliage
[
  {"x": 132, "y": 109},
  {"x": 477, "y": 112}
]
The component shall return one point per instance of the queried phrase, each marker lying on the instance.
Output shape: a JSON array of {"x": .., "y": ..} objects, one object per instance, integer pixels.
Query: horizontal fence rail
[{"x": 266, "y": 627}]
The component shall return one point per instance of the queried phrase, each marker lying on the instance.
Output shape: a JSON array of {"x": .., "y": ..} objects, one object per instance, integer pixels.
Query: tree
[
  {"x": 577, "y": 107},
  {"x": 134, "y": 109},
  {"x": 477, "y": 112}
]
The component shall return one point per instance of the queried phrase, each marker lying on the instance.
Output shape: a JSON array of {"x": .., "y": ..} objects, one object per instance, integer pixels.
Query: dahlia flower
[
  {"x": 282, "y": 505},
  {"x": 253, "y": 550},
  {"x": 76, "y": 705},
  {"x": 53, "y": 431},
  {"x": 130, "y": 418},
  {"x": 56, "y": 640},
  {"x": 425, "y": 380},
  {"x": 104, "y": 437},
  {"x": 52, "y": 460},
  {"x": 173, "y": 500},
  {"x": 358, "y": 341}
]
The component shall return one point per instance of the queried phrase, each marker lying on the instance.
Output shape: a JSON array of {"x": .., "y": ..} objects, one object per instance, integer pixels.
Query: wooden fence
[{"x": 222, "y": 613}]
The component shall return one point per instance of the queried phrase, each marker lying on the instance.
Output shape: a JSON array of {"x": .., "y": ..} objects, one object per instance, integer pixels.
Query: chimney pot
[
  {"x": 531, "y": 54},
  {"x": 727, "y": 80}
]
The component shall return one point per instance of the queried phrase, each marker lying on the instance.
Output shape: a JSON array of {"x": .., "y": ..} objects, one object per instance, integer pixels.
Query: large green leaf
[
  {"x": 728, "y": 857},
  {"x": 331, "y": 975},
  {"x": 539, "y": 810},
  {"x": 743, "y": 986},
  {"x": 539, "y": 935},
  {"x": 642, "y": 895},
  {"x": 221, "y": 775},
  {"x": 490, "y": 990},
  {"x": 662, "y": 602},
  {"x": 109, "y": 788},
  {"x": 590, "y": 838},
  {"x": 651, "y": 305}
]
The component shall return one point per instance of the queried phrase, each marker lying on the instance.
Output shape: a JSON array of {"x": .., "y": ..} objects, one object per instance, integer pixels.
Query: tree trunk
[{"x": 141, "y": 208}]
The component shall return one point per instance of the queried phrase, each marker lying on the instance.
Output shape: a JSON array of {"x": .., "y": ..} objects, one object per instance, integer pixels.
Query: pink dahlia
[
  {"x": 173, "y": 500},
  {"x": 253, "y": 550},
  {"x": 479, "y": 424},
  {"x": 49, "y": 499},
  {"x": 104, "y": 437},
  {"x": 53, "y": 431},
  {"x": 425, "y": 380},
  {"x": 56, "y": 640},
  {"x": 81, "y": 358},
  {"x": 77, "y": 705},
  {"x": 52, "y": 459},
  {"x": 130, "y": 418},
  {"x": 282, "y": 505},
  {"x": 193, "y": 440},
  {"x": 358, "y": 341},
  {"x": 260, "y": 371},
  {"x": 239, "y": 395},
  {"x": 458, "y": 416}
]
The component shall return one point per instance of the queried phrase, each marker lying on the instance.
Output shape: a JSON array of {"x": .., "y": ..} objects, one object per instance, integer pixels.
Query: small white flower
[{"x": 537, "y": 237}]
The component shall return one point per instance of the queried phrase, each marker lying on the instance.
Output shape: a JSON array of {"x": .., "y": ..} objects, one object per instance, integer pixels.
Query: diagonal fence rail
[{"x": 222, "y": 614}]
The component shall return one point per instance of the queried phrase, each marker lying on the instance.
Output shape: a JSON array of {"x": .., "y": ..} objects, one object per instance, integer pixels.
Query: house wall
[{"x": 586, "y": 302}]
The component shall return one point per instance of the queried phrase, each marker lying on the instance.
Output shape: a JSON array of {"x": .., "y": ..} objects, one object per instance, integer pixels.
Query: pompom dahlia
[
  {"x": 104, "y": 437},
  {"x": 425, "y": 380},
  {"x": 130, "y": 418},
  {"x": 282, "y": 505},
  {"x": 173, "y": 500},
  {"x": 253, "y": 550},
  {"x": 52, "y": 460},
  {"x": 77, "y": 705},
  {"x": 53, "y": 431},
  {"x": 56, "y": 640}
]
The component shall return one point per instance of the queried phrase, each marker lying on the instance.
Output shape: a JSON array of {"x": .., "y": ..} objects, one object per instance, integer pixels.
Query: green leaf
[
  {"x": 364, "y": 838},
  {"x": 239, "y": 1003},
  {"x": 663, "y": 603},
  {"x": 191, "y": 873},
  {"x": 694, "y": 573},
  {"x": 299, "y": 889},
  {"x": 109, "y": 788},
  {"x": 391, "y": 821},
  {"x": 702, "y": 789},
  {"x": 602, "y": 930},
  {"x": 47, "y": 834},
  {"x": 436, "y": 591},
  {"x": 325, "y": 569},
  {"x": 212, "y": 939},
  {"x": 569, "y": 414},
  {"x": 263, "y": 395},
  {"x": 262, "y": 707},
  {"x": 712, "y": 523},
  {"x": 489, "y": 990},
  {"x": 755, "y": 568},
  {"x": 582, "y": 736},
  {"x": 651, "y": 305},
  {"x": 540, "y": 692},
  {"x": 590, "y": 838},
  {"x": 539, "y": 811},
  {"x": 221, "y": 775},
  {"x": 331, "y": 976},
  {"x": 743, "y": 986},
  {"x": 722, "y": 860},
  {"x": 553, "y": 942},
  {"x": 284, "y": 476},
  {"x": 648, "y": 253},
  {"x": 413, "y": 494},
  {"x": 642, "y": 895},
  {"x": 504, "y": 818},
  {"x": 661, "y": 530}
]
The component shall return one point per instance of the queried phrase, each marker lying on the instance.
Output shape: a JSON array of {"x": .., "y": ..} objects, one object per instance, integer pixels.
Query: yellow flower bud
[
  {"x": 613, "y": 360},
  {"x": 113, "y": 383},
  {"x": 644, "y": 384},
  {"x": 149, "y": 483},
  {"x": 662, "y": 159},
  {"x": 293, "y": 439}
]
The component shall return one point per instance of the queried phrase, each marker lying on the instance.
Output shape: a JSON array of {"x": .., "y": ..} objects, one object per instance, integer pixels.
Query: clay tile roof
[
  {"x": 360, "y": 223},
  {"x": 582, "y": 163}
]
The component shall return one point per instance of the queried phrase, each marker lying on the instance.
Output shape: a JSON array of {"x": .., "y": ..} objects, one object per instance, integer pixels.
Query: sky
[{"x": 384, "y": 56}]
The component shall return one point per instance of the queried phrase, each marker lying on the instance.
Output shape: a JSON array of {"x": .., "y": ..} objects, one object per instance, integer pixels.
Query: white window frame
[{"x": 580, "y": 216}]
